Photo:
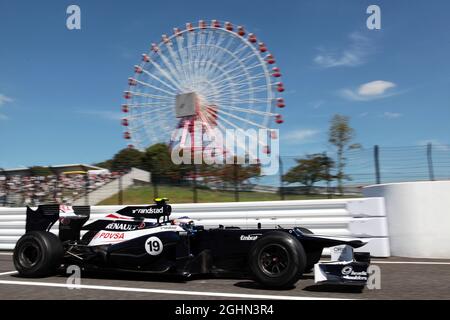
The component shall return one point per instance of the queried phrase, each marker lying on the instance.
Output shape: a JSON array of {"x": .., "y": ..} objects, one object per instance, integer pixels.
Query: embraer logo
[
  {"x": 147, "y": 211},
  {"x": 250, "y": 237}
]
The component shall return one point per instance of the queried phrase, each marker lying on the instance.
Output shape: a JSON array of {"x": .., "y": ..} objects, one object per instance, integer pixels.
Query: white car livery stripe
[{"x": 113, "y": 237}]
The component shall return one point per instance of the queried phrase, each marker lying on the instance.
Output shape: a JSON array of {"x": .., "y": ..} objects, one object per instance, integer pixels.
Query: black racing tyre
[
  {"x": 38, "y": 254},
  {"x": 277, "y": 259}
]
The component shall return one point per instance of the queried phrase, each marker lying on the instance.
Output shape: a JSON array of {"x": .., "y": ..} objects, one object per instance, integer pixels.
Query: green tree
[
  {"x": 126, "y": 159},
  {"x": 238, "y": 172},
  {"x": 309, "y": 170},
  {"x": 341, "y": 135},
  {"x": 105, "y": 164},
  {"x": 157, "y": 159}
]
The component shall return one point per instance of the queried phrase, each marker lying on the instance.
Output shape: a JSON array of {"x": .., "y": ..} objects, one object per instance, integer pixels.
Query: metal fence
[
  {"x": 364, "y": 166},
  {"x": 399, "y": 164},
  {"x": 375, "y": 165}
]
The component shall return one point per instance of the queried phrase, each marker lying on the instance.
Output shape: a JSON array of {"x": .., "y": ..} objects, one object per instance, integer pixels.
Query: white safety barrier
[
  {"x": 418, "y": 215},
  {"x": 360, "y": 218}
]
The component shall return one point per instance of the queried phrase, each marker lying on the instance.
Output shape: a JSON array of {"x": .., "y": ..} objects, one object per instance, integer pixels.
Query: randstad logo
[{"x": 148, "y": 211}]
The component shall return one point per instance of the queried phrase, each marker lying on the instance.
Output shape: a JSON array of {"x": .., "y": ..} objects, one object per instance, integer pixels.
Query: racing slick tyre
[
  {"x": 313, "y": 256},
  {"x": 38, "y": 254},
  {"x": 277, "y": 259}
]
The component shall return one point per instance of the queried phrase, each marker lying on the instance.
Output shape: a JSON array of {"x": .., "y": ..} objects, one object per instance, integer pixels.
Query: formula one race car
[{"x": 145, "y": 239}]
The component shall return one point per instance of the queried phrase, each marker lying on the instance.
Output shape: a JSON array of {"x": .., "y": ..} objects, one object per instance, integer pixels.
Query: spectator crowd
[{"x": 35, "y": 190}]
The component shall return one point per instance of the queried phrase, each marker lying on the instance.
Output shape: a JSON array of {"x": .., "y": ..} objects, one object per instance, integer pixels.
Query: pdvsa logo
[{"x": 110, "y": 235}]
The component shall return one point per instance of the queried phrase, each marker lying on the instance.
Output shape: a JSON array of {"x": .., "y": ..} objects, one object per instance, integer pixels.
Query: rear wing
[
  {"x": 43, "y": 218},
  {"x": 71, "y": 219}
]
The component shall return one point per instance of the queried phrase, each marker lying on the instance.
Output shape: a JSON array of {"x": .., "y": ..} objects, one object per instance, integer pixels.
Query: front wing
[{"x": 347, "y": 268}]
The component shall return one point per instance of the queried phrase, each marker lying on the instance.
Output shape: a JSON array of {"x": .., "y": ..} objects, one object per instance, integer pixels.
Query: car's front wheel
[
  {"x": 277, "y": 259},
  {"x": 38, "y": 254}
]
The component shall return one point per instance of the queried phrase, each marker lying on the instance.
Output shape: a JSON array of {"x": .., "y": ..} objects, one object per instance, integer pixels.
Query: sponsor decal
[
  {"x": 347, "y": 270},
  {"x": 153, "y": 246},
  {"x": 250, "y": 237},
  {"x": 113, "y": 216},
  {"x": 141, "y": 225},
  {"x": 65, "y": 209},
  {"x": 169, "y": 227},
  {"x": 349, "y": 274},
  {"x": 147, "y": 211},
  {"x": 64, "y": 221},
  {"x": 123, "y": 226},
  {"x": 110, "y": 235}
]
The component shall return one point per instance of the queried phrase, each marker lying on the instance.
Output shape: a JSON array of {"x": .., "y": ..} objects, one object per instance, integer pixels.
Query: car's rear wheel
[
  {"x": 276, "y": 259},
  {"x": 38, "y": 254}
]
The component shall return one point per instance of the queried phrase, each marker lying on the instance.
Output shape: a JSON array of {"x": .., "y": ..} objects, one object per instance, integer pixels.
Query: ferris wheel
[{"x": 212, "y": 73}]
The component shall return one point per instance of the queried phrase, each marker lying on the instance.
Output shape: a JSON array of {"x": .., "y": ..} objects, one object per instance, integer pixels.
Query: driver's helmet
[{"x": 183, "y": 221}]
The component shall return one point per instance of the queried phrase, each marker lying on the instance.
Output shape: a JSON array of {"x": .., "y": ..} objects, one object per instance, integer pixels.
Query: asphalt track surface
[{"x": 400, "y": 279}]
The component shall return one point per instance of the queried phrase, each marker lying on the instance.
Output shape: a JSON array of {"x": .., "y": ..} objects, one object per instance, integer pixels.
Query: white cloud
[
  {"x": 108, "y": 115},
  {"x": 363, "y": 114},
  {"x": 4, "y": 99},
  {"x": 355, "y": 54},
  {"x": 375, "y": 88},
  {"x": 438, "y": 145},
  {"x": 370, "y": 91},
  {"x": 392, "y": 115},
  {"x": 317, "y": 104},
  {"x": 300, "y": 135}
]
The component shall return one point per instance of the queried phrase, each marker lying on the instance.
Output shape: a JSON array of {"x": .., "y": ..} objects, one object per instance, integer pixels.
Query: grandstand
[
  {"x": 58, "y": 169},
  {"x": 65, "y": 184}
]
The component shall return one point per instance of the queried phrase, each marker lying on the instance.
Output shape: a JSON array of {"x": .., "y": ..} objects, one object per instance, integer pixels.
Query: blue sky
[{"x": 61, "y": 90}]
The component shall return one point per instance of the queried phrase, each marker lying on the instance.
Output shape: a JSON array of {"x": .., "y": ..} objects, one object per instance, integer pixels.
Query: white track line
[
  {"x": 161, "y": 291},
  {"x": 410, "y": 262},
  {"x": 6, "y": 273},
  {"x": 403, "y": 262},
  {"x": 6, "y": 253}
]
